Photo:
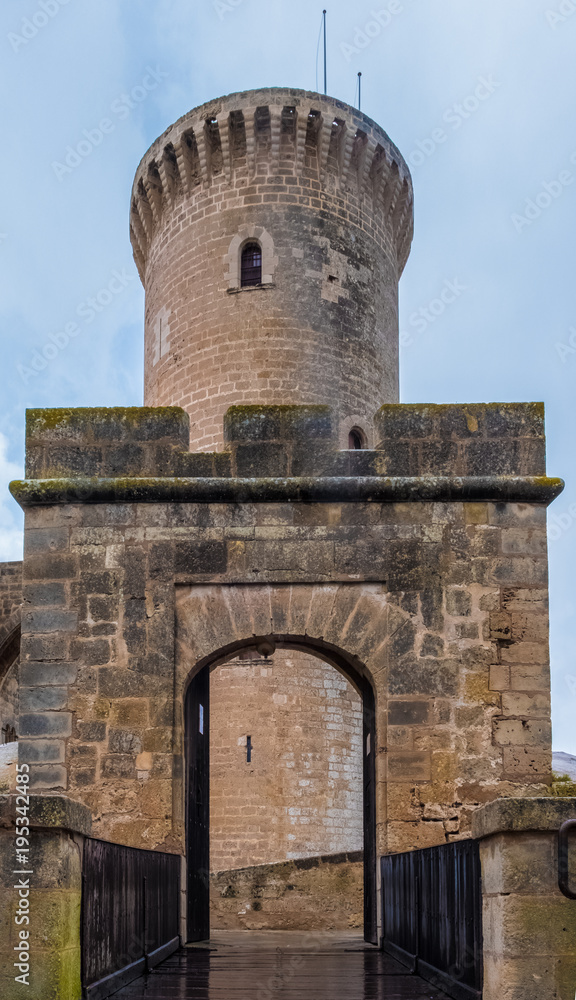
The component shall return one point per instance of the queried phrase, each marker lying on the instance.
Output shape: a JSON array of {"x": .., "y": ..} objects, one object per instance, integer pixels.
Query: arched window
[
  {"x": 356, "y": 439},
  {"x": 251, "y": 266}
]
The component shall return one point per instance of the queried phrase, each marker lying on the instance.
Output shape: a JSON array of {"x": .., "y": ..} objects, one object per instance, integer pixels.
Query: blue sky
[{"x": 478, "y": 96}]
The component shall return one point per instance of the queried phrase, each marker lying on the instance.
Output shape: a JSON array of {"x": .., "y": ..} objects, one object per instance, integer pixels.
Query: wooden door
[
  {"x": 198, "y": 806},
  {"x": 369, "y": 773}
]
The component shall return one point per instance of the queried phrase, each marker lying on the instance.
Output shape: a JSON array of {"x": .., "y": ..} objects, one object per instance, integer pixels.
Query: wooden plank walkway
[{"x": 280, "y": 966}]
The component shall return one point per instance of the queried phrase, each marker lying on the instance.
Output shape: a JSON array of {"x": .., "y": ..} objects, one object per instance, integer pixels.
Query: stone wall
[
  {"x": 432, "y": 588},
  {"x": 323, "y": 893},
  {"x": 301, "y": 794}
]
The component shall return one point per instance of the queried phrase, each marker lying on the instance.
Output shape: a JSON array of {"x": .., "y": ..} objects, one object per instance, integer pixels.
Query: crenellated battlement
[{"x": 280, "y": 133}]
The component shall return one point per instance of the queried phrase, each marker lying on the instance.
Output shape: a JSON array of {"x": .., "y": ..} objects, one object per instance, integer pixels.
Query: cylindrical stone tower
[{"x": 270, "y": 229}]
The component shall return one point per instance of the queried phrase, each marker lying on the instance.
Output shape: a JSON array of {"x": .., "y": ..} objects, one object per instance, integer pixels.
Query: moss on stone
[
  {"x": 563, "y": 786},
  {"x": 49, "y": 419}
]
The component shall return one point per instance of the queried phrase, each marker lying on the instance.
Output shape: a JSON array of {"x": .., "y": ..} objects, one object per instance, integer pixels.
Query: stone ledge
[
  {"x": 420, "y": 489},
  {"x": 301, "y": 864},
  {"x": 522, "y": 815},
  {"x": 49, "y": 812}
]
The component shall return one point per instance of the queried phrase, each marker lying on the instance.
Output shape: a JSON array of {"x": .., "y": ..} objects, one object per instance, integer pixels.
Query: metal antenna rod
[
  {"x": 325, "y": 57},
  {"x": 359, "y": 91}
]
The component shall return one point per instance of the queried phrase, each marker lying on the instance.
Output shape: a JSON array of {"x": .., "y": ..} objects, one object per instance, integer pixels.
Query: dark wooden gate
[
  {"x": 198, "y": 805},
  {"x": 369, "y": 777},
  {"x": 130, "y": 914},
  {"x": 432, "y": 915}
]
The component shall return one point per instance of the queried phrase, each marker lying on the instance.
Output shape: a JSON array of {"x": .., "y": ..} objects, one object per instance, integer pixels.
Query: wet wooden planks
[{"x": 280, "y": 974}]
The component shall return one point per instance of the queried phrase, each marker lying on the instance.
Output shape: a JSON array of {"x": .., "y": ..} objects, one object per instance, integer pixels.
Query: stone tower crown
[{"x": 325, "y": 198}]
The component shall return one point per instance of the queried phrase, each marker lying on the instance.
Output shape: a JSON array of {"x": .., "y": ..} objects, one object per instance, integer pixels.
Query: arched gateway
[
  {"x": 197, "y": 771},
  {"x": 236, "y": 510}
]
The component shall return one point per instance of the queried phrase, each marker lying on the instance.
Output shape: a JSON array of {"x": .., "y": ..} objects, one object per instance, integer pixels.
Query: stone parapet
[
  {"x": 122, "y": 441},
  {"x": 522, "y": 815},
  {"x": 56, "y": 827},
  {"x": 429, "y": 443},
  {"x": 462, "y": 439},
  {"x": 529, "y": 926}
]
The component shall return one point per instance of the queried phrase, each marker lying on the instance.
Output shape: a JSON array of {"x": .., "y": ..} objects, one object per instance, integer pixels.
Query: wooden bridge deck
[{"x": 280, "y": 966}]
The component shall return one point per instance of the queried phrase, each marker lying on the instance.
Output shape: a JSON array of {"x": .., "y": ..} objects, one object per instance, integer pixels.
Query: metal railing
[
  {"x": 432, "y": 915},
  {"x": 130, "y": 914}
]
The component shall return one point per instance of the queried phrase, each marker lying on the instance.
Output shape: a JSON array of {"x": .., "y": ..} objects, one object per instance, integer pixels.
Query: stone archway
[{"x": 354, "y": 615}]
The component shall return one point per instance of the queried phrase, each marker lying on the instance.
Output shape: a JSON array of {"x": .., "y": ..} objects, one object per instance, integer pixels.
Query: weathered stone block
[
  {"x": 39, "y": 594},
  {"x": 39, "y": 540},
  {"x": 38, "y": 751},
  {"x": 118, "y": 766},
  {"x": 49, "y": 620},
  {"x": 91, "y": 732},
  {"x": 123, "y": 741},
  {"x": 409, "y": 766},
  {"x": 458, "y": 602},
  {"x": 200, "y": 558},
  {"x": 39, "y": 699},
  {"x": 46, "y": 724},
  {"x": 39, "y": 674},
  {"x": 408, "y": 713}
]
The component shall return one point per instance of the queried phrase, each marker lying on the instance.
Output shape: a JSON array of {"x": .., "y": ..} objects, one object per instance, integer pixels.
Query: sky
[{"x": 477, "y": 94}]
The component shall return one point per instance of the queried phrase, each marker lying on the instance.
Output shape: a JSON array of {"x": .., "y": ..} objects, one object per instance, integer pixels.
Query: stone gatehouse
[{"x": 275, "y": 513}]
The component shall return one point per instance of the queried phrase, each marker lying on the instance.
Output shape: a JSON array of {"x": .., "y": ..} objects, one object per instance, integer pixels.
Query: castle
[{"x": 272, "y": 533}]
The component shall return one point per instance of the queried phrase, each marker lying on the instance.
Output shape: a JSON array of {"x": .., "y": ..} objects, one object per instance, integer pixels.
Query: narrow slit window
[{"x": 251, "y": 270}]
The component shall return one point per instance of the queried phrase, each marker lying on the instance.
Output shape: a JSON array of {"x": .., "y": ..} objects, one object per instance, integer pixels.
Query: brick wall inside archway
[{"x": 301, "y": 793}]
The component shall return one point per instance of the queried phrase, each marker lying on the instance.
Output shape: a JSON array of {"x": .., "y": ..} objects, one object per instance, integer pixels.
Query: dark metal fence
[
  {"x": 130, "y": 914},
  {"x": 432, "y": 915}
]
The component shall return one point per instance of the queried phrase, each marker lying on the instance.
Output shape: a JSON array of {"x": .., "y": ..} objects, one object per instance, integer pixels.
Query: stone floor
[{"x": 280, "y": 965}]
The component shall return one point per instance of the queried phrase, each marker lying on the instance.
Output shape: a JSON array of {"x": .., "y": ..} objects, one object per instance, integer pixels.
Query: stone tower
[
  {"x": 273, "y": 498},
  {"x": 320, "y": 191}
]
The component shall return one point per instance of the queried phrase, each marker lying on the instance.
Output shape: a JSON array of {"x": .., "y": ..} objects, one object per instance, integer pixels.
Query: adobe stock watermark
[
  {"x": 223, "y": 7},
  {"x": 287, "y": 967},
  {"x": 549, "y": 192},
  {"x": 564, "y": 11},
  {"x": 565, "y": 350},
  {"x": 559, "y": 524},
  {"x": 378, "y": 21},
  {"x": 570, "y": 683},
  {"x": 22, "y": 867},
  {"x": 121, "y": 107},
  {"x": 455, "y": 116},
  {"x": 31, "y": 26},
  {"x": 86, "y": 311},
  {"x": 427, "y": 315}
]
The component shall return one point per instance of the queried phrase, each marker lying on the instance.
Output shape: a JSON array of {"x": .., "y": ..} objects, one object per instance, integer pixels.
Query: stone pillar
[
  {"x": 529, "y": 926},
  {"x": 57, "y": 827}
]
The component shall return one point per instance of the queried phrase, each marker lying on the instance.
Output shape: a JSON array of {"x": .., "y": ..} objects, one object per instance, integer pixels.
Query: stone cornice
[{"x": 423, "y": 489}]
